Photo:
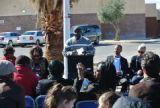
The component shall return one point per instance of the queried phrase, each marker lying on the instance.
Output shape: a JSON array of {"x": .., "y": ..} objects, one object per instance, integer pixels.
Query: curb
[{"x": 128, "y": 41}]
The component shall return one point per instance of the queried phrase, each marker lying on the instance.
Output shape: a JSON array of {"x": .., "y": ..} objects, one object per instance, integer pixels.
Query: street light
[{"x": 66, "y": 32}]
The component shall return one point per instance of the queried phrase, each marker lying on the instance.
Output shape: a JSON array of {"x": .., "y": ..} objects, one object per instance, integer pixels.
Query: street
[{"x": 102, "y": 50}]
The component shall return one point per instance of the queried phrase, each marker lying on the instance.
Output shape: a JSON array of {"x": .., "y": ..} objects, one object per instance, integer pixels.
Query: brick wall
[{"x": 26, "y": 22}]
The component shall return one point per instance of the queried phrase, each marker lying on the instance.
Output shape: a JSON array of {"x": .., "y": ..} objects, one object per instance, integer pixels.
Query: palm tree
[{"x": 51, "y": 14}]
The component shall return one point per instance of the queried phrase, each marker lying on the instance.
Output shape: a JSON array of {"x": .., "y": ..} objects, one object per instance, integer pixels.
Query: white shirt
[{"x": 117, "y": 65}]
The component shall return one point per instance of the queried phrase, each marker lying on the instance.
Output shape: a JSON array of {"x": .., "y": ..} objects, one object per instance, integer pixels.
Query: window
[
  {"x": 39, "y": 34},
  {"x": 29, "y": 33}
]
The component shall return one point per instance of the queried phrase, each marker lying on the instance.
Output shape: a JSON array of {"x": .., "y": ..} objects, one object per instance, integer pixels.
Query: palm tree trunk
[
  {"x": 54, "y": 36},
  {"x": 54, "y": 47}
]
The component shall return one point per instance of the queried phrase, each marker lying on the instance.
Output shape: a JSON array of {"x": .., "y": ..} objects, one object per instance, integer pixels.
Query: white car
[
  {"x": 31, "y": 37},
  {"x": 8, "y": 38}
]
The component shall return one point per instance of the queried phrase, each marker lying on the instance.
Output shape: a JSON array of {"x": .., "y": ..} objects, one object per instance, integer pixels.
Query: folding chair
[
  {"x": 29, "y": 102},
  {"x": 87, "y": 104},
  {"x": 123, "y": 93},
  {"x": 40, "y": 101}
]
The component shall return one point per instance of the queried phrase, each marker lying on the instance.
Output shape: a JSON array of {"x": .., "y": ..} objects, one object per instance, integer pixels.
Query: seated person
[
  {"x": 61, "y": 97},
  {"x": 121, "y": 65},
  {"x": 147, "y": 91},
  {"x": 135, "y": 65},
  {"x": 8, "y": 53},
  {"x": 89, "y": 87},
  {"x": 78, "y": 45},
  {"x": 25, "y": 77},
  {"x": 107, "y": 99},
  {"x": 56, "y": 69},
  {"x": 151, "y": 67},
  {"x": 11, "y": 94},
  {"x": 130, "y": 102},
  {"x": 39, "y": 63},
  {"x": 105, "y": 75}
]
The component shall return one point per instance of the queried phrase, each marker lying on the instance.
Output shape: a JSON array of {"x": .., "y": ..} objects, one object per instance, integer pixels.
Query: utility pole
[{"x": 66, "y": 32}]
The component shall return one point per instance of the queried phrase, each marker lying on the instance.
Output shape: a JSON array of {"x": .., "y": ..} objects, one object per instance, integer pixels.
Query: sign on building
[{"x": 1, "y": 21}]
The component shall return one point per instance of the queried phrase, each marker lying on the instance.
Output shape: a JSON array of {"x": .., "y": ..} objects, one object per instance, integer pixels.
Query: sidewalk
[{"x": 129, "y": 41}]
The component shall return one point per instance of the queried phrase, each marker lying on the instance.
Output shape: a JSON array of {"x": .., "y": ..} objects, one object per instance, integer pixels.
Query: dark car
[{"x": 89, "y": 31}]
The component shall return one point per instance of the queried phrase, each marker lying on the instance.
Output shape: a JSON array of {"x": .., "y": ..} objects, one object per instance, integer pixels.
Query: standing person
[
  {"x": 11, "y": 94},
  {"x": 61, "y": 97},
  {"x": 135, "y": 65},
  {"x": 78, "y": 49},
  {"x": 121, "y": 66},
  {"x": 56, "y": 70},
  {"x": 38, "y": 62},
  {"x": 8, "y": 53},
  {"x": 107, "y": 99},
  {"x": 78, "y": 45},
  {"x": 25, "y": 77}
]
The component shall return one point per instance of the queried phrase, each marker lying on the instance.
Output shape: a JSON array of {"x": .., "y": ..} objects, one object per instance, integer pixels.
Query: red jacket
[
  {"x": 27, "y": 79},
  {"x": 13, "y": 60}
]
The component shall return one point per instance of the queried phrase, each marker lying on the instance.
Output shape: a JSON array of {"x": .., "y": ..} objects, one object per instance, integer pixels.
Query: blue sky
[{"x": 154, "y": 1}]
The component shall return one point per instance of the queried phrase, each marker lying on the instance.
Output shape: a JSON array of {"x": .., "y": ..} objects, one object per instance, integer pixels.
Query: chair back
[
  {"x": 40, "y": 101},
  {"x": 87, "y": 104},
  {"x": 29, "y": 102},
  {"x": 123, "y": 93}
]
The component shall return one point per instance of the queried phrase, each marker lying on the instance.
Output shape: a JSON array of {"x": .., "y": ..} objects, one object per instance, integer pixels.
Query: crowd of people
[{"x": 32, "y": 76}]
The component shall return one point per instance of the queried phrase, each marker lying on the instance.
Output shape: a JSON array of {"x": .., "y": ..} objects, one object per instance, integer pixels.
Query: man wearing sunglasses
[{"x": 135, "y": 65}]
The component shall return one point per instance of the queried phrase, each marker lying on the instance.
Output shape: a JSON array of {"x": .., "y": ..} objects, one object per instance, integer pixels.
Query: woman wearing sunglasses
[{"x": 39, "y": 63}]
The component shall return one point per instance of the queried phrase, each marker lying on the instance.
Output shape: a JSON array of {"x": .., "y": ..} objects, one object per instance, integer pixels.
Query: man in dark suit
[{"x": 121, "y": 65}]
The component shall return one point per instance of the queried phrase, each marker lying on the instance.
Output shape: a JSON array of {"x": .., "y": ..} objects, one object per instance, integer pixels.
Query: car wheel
[
  {"x": 96, "y": 41},
  {"x": 37, "y": 42},
  {"x": 10, "y": 43},
  {"x": 2, "y": 46},
  {"x": 23, "y": 45}
]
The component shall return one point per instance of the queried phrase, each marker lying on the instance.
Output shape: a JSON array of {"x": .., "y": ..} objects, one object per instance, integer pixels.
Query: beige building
[
  {"x": 152, "y": 21},
  {"x": 132, "y": 24},
  {"x": 17, "y": 16},
  {"x": 20, "y": 16}
]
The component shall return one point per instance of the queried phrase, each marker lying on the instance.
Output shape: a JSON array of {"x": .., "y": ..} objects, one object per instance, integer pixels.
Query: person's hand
[
  {"x": 84, "y": 52},
  {"x": 80, "y": 70},
  {"x": 118, "y": 73},
  {"x": 74, "y": 53},
  {"x": 139, "y": 72}
]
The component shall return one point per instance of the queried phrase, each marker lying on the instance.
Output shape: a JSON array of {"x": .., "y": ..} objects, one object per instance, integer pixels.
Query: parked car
[
  {"x": 31, "y": 37},
  {"x": 8, "y": 38},
  {"x": 91, "y": 32}
]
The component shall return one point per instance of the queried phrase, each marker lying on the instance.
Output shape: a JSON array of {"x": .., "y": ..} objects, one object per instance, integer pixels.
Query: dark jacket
[
  {"x": 129, "y": 102},
  {"x": 106, "y": 82},
  {"x": 135, "y": 65},
  {"x": 123, "y": 63},
  {"x": 43, "y": 64},
  {"x": 90, "y": 92},
  {"x": 11, "y": 94},
  {"x": 45, "y": 84},
  {"x": 147, "y": 91}
]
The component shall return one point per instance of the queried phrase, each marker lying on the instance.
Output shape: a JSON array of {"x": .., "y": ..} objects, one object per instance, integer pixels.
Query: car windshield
[
  {"x": 4, "y": 34},
  {"x": 28, "y": 33},
  {"x": 73, "y": 28}
]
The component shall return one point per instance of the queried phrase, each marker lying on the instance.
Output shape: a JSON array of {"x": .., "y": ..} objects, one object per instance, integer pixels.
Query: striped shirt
[{"x": 72, "y": 45}]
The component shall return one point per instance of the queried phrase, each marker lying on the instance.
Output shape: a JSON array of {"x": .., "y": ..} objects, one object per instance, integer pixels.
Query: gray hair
[{"x": 142, "y": 47}]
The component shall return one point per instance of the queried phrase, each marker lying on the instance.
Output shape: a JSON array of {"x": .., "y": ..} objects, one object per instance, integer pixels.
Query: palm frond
[{"x": 47, "y": 6}]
